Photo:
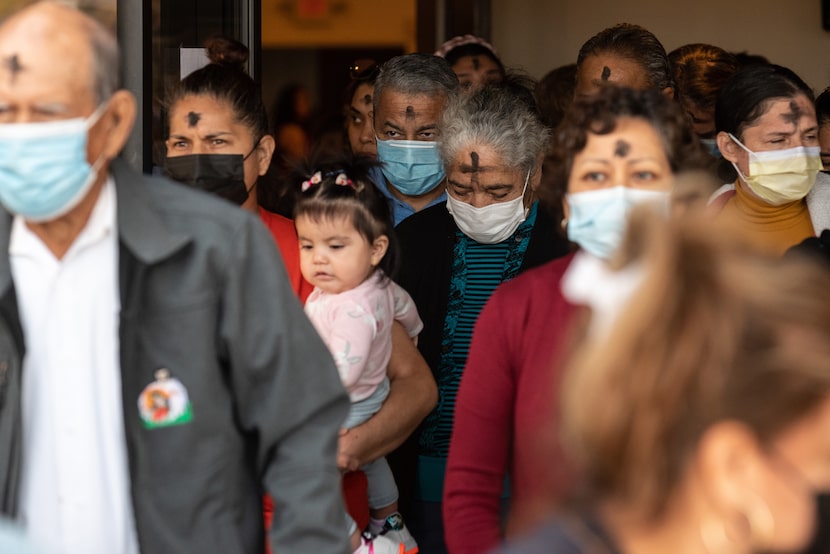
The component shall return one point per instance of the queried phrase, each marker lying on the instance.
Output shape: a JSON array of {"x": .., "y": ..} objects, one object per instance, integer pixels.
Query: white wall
[{"x": 540, "y": 35}]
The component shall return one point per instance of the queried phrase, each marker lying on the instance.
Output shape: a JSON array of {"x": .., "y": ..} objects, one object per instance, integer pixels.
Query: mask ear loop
[
  {"x": 748, "y": 151},
  {"x": 90, "y": 123},
  {"x": 245, "y": 157}
]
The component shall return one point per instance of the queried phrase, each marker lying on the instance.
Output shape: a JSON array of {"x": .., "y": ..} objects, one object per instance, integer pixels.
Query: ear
[
  {"x": 264, "y": 151},
  {"x": 536, "y": 175},
  {"x": 668, "y": 92},
  {"x": 379, "y": 249},
  {"x": 117, "y": 122},
  {"x": 727, "y": 147},
  {"x": 728, "y": 462}
]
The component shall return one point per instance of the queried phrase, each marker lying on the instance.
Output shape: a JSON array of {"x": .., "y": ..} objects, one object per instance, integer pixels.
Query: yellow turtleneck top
[{"x": 773, "y": 228}]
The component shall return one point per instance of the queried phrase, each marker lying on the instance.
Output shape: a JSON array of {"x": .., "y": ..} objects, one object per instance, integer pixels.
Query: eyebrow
[
  {"x": 495, "y": 186},
  {"x": 210, "y": 136}
]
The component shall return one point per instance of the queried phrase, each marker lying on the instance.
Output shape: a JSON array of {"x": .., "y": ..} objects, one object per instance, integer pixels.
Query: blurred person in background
[
  {"x": 696, "y": 408},
  {"x": 474, "y": 61},
  {"x": 624, "y": 55}
]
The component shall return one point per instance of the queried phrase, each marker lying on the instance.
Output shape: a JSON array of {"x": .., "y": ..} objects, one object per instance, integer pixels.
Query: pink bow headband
[{"x": 342, "y": 179}]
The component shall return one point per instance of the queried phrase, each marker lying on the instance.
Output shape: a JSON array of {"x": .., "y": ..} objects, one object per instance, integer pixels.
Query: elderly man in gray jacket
[{"x": 157, "y": 375}]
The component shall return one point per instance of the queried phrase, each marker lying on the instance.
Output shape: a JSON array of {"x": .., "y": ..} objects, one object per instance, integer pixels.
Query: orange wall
[{"x": 349, "y": 23}]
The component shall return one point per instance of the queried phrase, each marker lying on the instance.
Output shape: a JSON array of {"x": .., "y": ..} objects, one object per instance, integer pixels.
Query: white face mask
[
  {"x": 781, "y": 176},
  {"x": 489, "y": 224}
]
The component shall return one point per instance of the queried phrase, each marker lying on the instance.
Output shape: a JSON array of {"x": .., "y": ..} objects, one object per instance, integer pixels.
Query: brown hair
[
  {"x": 700, "y": 71},
  {"x": 715, "y": 332},
  {"x": 599, "y": 115}
]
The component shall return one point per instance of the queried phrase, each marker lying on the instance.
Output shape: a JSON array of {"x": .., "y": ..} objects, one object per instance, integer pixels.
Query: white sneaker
[
  {"x": 395, "y": 530},
  {"x": 378, "y": 545}
]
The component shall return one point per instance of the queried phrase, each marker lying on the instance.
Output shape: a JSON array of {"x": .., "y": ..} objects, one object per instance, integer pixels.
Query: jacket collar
[{"x": 141, "y": 228}]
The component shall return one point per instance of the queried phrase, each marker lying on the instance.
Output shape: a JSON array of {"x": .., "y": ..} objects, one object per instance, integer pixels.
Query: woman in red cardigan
[{"x": 610, "y": 153}]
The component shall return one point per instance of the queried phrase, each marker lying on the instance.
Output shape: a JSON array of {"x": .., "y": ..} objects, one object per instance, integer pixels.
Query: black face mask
[{"x": 220, "y": 174}]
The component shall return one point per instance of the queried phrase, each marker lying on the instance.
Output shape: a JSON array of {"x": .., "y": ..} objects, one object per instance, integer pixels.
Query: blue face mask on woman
[
  {"x": 598, "y": 218},
  {"x": 414, "y": 167},
  {"x": 43, "y": 167}
]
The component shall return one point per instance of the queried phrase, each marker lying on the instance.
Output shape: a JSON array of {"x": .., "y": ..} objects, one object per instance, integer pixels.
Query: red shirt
[{"x": 284, "y": 232}]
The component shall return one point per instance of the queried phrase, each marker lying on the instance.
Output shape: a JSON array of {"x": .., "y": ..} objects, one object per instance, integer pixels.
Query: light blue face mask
[
  {"x": 711, "y": 146},
  {"x": 414, "y": 167},
  {"x": 43, "y": 167},
  {"x": 597, "y": 218}
]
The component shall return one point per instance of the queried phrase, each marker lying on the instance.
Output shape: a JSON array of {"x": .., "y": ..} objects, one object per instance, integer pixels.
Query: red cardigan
[{"x": 505, "y": 414}]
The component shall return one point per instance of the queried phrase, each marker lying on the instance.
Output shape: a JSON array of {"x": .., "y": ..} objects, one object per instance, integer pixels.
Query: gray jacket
[{"x": 204, "y": 295}]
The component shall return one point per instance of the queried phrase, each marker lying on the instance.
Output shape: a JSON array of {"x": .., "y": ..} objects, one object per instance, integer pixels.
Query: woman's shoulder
[
  {"x": 563, "y": 535},
  {"x": 537, "y": 280}
]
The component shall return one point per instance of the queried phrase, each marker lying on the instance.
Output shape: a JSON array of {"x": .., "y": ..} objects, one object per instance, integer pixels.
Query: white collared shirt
[{"x": 75, "y": 484}]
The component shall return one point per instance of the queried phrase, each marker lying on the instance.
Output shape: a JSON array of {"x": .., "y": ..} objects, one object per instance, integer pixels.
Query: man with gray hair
[
  {"x": 410, "y": 94},
  {"x": 157, "y": 374}
]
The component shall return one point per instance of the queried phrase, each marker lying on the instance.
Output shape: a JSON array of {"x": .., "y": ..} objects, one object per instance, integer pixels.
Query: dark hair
[
  {"x": 700, "y": 71},
  {"x": 554, "y": 94},
  {"x": 285, "y": 105},
  {"x": 225, "y": 80},
  {"x": 747, "y": 94},
  {"x": 745, "y": 58},
  {"x": 361, "y": 76},
  {"x": 359, "y": 201},
  {"x": 823, "y": 107},
  {"x": 634, "y": 43},
  {"x": 599, "y": 115}
]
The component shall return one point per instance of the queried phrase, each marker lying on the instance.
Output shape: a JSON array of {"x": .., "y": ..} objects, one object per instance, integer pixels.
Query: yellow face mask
[{"x": 781, "y": 176}]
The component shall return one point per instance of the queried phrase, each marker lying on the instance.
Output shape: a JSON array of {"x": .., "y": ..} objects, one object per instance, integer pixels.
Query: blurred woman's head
[
  {"x": 359, "y": 111},
  {"x": 766, "y": 108},
  {"x": 700, "y": 71},
  {"x": 474, "y": 61},
  {"x": 715, "y": 384},
  {"x": 823, "y": 120},
  {"x": 612, "y": 151},
  {"x": 218, "y": 129},
  {"x": 624, "y": 55}
]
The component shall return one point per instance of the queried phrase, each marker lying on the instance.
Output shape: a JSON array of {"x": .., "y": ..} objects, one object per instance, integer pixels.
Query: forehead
[
  {"x": 786, "y": 111},
  {"x": 43, "y": 62},
  {"x": 202, "y": 115},
  {"x": 321, "y": 225},
  {"x": 603, "y": 67},
  {"x": 466, "y": 64},
  {"x": 362, "y": 97},
  {"x": 396, "y": 102},
  {"x": 637, "y": 135},
  {"x": 481, "y": 163}
]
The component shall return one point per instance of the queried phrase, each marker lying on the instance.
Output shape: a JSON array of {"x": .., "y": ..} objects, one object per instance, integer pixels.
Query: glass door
[{"x": 162, "y": 41}]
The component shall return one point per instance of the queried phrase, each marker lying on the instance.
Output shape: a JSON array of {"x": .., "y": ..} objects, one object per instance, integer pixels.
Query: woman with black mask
[{"x": 218, "y": 140}]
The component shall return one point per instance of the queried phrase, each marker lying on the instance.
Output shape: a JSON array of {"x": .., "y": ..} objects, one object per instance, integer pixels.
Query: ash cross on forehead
[
  {"x": 793, "y": 115},
  {"x": 606, "y": 73},
  {"x": 12, "y": 63},
  {"x": 410, "y": 112},
  {"x": 476, "y": 63},
  {"x": 367, "y": 99},
  {"x": 193, "y": 119},
  {"x": 472, "y": 169},
  {"x": 621, "y": 149}
]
